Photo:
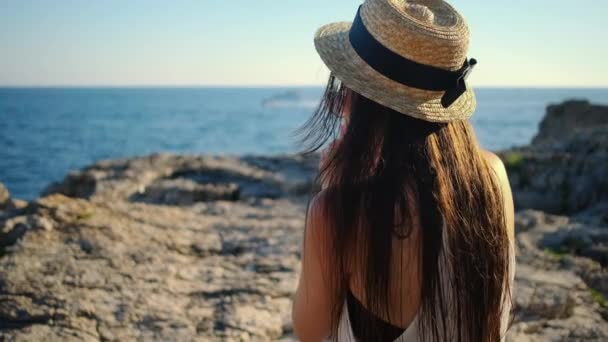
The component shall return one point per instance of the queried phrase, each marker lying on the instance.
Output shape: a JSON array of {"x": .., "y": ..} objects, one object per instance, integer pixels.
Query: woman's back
[
  {"x": 405, "y": 279},
  {"x": 400, "y": 322},
  {"x": 405, "y": 268}
]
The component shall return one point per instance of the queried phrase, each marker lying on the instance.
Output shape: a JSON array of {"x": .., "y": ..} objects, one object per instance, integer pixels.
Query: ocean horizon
[{"x": 47, "y": 131}]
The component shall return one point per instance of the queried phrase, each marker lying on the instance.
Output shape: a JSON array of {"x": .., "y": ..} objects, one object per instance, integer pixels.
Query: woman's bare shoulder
[
  {"x": 316, "y": 217},
  {"x": 501, "y": 173},
  {"x": 497, "y": 165}
]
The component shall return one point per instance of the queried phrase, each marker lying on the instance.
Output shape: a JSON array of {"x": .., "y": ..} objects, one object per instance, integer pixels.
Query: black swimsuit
[{"x": 356, "y": 312}]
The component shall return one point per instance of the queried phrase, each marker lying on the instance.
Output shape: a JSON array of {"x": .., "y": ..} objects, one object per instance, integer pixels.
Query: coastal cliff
[
  {"x": 167, "y": 247},
  {"x": 564, "y": 170}
]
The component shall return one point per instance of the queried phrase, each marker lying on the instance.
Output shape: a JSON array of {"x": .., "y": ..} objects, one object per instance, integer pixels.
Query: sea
[{"x": 46, "y": 132}]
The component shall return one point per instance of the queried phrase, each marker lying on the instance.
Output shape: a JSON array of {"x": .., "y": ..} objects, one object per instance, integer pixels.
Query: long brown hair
[{"x": 389, "y": 165}]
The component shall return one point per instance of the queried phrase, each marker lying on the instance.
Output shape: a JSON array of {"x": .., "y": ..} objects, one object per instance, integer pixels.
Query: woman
[{"x": 410, "y": 238}]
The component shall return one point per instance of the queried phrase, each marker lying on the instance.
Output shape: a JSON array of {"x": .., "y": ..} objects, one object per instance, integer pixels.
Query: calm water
[{"x": 44, "y": 133}]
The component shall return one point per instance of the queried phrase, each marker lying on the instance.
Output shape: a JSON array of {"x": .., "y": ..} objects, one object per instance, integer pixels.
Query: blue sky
[{"x": 269, "y": 42}]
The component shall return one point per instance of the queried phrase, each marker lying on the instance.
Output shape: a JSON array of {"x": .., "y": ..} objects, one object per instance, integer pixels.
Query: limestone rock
[
  {"x": 136, "y": 271},
  {"x": 566, "y": 119},
  {"x": 183, "y": 180},
  {"x": 565, "y": 169}
]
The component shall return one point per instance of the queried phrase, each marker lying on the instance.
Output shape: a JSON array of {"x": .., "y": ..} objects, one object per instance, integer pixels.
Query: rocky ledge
[
  {"x": 184, "y": 248},
  {"x": 565, "y": 168}
]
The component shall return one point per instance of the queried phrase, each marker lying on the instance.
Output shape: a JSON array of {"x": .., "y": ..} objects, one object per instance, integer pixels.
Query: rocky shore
[{"x": 182, "y": 248}]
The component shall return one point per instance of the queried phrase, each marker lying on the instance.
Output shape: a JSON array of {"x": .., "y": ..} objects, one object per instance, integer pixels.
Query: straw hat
[{"x": 410, "y": 56}]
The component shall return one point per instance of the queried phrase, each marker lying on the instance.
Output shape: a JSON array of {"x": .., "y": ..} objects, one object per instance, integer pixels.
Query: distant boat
[{"x": 288, "y": 98}]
